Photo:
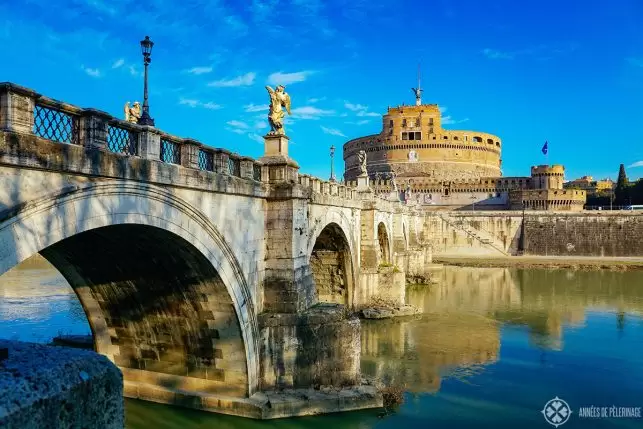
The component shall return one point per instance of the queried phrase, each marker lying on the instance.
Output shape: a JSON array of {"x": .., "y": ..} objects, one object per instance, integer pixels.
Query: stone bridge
[{"x": 211, "y": 279}]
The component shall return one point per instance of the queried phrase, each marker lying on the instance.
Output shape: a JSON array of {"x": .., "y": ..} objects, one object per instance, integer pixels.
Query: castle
[{"x": 416, "y": 160}]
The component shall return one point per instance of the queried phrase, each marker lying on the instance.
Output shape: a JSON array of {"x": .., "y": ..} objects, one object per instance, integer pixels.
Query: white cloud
[
  {"x": 260, "y": 125},
  {"x": 332, "y": 131},
  {"x": 355, "y": 107},
  {"x": 255, "y": 137},
  {"x": 93, "y": 72},
  {"x": 448, "y": 120},
  {"x": 196, "y": 103},
  {"x": 359, "y": 109},
  {"x": 360, "y": 122},
  {"x": 118, "y": 63},
  {"x": 280, "y": 78},
  {"x": 316, "y": 100},
  {"x": 249, "y": 108},
  {"x": 310, "y": 112},
  {"x": 638, "y": 62},
  {"x": 373, "y": 114},
  {"x": 238, "y": 124},
  {"x": 636, "y": 164},
  {"x": 494, "y": 54},
  {"x": 133, "y": 70},
  {"x": 243, "y": 80},
  {"x": 199, "y": 70}
]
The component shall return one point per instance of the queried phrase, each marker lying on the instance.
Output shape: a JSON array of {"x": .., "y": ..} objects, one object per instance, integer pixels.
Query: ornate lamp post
[
  {"x": 332, "y": 156},
  {"x": 146, "y": 48}
]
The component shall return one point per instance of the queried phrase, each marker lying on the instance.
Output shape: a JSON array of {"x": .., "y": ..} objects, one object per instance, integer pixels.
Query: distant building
[
  {"x": 591, "y": 186},
  {"x": 414, "y": 159}
]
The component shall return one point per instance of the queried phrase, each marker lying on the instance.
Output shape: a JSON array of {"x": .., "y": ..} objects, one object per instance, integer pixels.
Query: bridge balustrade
[{"x": 25, "y": 111}]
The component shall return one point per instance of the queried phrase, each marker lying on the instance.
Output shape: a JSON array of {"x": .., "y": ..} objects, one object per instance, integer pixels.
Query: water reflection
[
  {"x": 37, "y": 303},
  {"x": 485, "y": 335}
]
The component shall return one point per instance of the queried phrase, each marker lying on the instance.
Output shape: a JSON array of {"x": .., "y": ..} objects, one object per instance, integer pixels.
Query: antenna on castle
[{"x": 418, "y": 91}]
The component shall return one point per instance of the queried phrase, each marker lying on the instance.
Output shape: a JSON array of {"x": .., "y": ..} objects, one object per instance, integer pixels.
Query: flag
[{"x": 544, "y": 149}]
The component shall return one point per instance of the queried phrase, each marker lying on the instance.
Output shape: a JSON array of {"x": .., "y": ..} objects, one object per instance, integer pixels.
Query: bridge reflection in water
[{"x": 468, "y": 314}]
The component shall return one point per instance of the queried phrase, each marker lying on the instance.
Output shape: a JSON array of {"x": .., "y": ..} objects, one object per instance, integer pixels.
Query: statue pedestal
[
  {"x": 363, "y": 183},
  {"x": 281, "y": 168},
  {"x": 275, "y": 145}
]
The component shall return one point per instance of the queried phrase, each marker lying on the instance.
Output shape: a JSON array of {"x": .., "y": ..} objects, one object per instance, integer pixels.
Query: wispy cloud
[
  {"x": 280, "y": 78},
  {"x": 260, "y": 125},
  {"x": 249, "y": 108},
  {"x": 310, "y": 112},
  {"x": 191, "y": 102},
  {"x": 541, "y": 52},
  {"x": 448, "y": 120},
  {"x": 495, "y": 54},
  {"x": 359, "y": 109},
  {"x": 118, "y": 63},
  {"x": 636, "y": 164},
  {"x": 255, "y": 137},
  {"x": 238, "y": 124},
  {"x": 332, "y": 131},
  {"x": 199, "y": 70},
  {"x": 134, "y": 71},
  {"x": 316, "y": 100},
  {"x": 360, "y": 122},
  {"x": 355, "y": 107},
  {"x": 243, "y": 80},
  {"x": 637, "y": 62},
  {"x": 93, "y": 72}
]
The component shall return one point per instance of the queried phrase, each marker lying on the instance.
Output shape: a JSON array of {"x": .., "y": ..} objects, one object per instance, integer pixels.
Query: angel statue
[
  {"x": 418, "y": 95},
  {"x": 361, "y": 157},
  {"x": 278, "y": 98},
  {"x": 132, "y": 114}
]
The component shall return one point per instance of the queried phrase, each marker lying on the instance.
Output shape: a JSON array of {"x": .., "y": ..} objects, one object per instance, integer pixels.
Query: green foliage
[{"x": 621, "y": 193}]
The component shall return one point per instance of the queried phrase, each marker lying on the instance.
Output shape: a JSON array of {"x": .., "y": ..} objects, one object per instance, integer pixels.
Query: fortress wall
[
  {"x": 546, "y": 233},
  {"x": 584, "y": 234}
]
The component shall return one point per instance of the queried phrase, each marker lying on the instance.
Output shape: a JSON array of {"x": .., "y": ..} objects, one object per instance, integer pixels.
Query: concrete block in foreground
[{"x": 54, "y": 387}]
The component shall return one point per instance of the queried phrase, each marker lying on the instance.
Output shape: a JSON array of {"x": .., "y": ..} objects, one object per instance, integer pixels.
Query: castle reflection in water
[
  {"x": 459, "y": 333},
  {"x": 465, "y": 311}
]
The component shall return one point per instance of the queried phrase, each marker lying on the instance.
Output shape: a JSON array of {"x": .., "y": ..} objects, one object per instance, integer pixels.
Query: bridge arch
[
  {"x": 333, "y": 258},
  {"x": 130, "y": 225},
  {"x": 384, "y": 244}
]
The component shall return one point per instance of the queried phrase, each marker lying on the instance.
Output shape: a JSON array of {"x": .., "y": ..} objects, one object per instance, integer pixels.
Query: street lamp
[
  {"x": 332, "y": 155},
  {"x": 146, "y": 48}
]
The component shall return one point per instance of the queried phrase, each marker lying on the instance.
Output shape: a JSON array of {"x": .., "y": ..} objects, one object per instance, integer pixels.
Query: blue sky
[{"x": 570, "y": 72}]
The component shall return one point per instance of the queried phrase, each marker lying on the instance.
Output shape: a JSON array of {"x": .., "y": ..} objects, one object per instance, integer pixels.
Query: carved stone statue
[
  {"x": 132, "y": 114},
  {"x": 361, "y": 157},
  {"x": 278, "y": 99}
]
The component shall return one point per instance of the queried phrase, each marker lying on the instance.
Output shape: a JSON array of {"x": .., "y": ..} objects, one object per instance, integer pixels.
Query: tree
[{"x": 621, "y": 193}]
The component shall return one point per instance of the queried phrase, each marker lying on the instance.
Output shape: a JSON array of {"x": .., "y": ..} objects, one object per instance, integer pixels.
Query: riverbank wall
[
  {"x": 494, "y": 234},
  {"x": 46, "y": 386}
]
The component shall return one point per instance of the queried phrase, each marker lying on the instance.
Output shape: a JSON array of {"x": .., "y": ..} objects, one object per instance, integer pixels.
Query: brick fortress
[{"x": 416, "y": 160}]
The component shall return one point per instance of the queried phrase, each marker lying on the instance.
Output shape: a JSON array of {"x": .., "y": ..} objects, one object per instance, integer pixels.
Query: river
[{"x": 491, "y": 348}]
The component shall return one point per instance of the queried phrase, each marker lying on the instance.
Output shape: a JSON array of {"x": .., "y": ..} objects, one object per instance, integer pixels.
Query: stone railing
[
  {"x": 22, "y": 110},
  {"x": 324, "y": 187}
]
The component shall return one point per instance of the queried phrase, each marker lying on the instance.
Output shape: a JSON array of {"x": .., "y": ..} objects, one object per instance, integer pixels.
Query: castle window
[
  {"x": 477, "y": 139},
  {"x": 404, "y": 122},
  {"x": 489, "y": 141},
  {"x": 455, "y": 138},
  {"x": 498, "y": 144},
  {"x": 466, "y": 138},
  {"x": 430, "y": 121},
  {"x": 431, "y": 130},
  {"x": 405, "y": 136},
  {"x": 417, "y": 122},
  {"x": 390, "y": 123},
  {"x": 446, "y": 137}
]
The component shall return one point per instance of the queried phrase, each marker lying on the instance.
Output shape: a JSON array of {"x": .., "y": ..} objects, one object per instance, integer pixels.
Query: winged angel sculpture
[{"x": 278, "y": 99}]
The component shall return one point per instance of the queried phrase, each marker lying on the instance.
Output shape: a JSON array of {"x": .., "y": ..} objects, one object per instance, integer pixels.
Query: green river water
[{"x": 491, "y": 348}]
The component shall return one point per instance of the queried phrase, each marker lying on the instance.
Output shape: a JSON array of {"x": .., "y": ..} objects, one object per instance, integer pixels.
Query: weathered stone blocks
[{"x": 55, "y": 387}]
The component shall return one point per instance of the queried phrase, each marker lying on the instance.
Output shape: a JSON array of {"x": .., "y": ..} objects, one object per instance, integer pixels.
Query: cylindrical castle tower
[
  {"x": 413, "y": 144},
  {"x": 548, "y": 176}
]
